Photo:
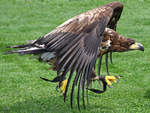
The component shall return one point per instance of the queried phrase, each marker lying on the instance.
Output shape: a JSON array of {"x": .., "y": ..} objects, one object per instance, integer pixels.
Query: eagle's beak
[{"x": 137, "y": 46}]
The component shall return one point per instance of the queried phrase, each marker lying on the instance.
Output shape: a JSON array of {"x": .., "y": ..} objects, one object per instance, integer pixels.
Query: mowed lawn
[{"x": 22, "y": 90}]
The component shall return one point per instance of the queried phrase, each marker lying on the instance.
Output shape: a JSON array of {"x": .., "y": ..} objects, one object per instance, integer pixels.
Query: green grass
[{"x": 22, "y": 90}]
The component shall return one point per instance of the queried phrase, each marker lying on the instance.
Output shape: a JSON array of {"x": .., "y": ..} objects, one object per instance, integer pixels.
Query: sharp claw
[{"x": 110, "y": 79}]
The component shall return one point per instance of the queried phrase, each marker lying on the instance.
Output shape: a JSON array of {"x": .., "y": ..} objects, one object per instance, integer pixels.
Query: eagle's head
[{"x": 114, "y": 42}]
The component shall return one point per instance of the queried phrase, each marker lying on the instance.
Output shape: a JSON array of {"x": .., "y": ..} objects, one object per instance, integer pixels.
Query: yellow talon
[
  {"x": 63, "y": 86},
  {"x": 110, "y": 79}
]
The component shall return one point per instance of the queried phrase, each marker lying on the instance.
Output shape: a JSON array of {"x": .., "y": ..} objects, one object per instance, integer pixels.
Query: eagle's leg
[
  {"x": 108, "y": 79},
  {"x": 62, "y": 82}
]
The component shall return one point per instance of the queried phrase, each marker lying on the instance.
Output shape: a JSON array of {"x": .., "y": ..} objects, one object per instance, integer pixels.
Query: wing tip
[{"x": 115, "y": 4}]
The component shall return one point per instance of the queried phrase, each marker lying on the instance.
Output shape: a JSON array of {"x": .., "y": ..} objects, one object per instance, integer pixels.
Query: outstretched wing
[
  {"x": 117, "y": 11},
  {"x": 76, "y": 44}
]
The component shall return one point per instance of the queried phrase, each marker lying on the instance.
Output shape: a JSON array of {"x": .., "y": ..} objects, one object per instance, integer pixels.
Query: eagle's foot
[
  {"x": 106, "y": 81},
  {"x": 63, "y": 86},
  {"x": 110, "y": 79}
]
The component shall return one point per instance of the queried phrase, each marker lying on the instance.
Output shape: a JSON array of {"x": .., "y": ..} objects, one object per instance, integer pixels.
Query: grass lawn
[{"x": 22, "y": 90}]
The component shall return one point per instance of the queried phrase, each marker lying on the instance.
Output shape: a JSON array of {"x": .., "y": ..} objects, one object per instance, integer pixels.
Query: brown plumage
[
  {"x": 75, "y": 45},
  {"x": 112, "y": 42},
  {"x": 117, "y": 43}
]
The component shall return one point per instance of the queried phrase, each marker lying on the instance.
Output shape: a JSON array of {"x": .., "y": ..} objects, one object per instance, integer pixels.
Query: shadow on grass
[
  {"x": 52, "y": 105},
  {"x": 147, "y": 94}
]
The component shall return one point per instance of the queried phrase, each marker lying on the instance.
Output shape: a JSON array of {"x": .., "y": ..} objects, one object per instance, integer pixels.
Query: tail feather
[
  {"x": 32, "y": 48},
  {"x": 30, "y": 43}
]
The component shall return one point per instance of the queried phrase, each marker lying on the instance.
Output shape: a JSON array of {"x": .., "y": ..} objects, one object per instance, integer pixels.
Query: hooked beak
[{"x": 137, "y": 46}]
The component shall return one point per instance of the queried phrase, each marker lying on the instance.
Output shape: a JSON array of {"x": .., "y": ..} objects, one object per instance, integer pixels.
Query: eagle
[{"x": 74, "y": 46}]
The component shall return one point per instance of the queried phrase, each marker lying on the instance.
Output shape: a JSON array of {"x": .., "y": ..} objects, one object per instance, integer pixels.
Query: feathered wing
[{"x": 117, "y": 11}]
